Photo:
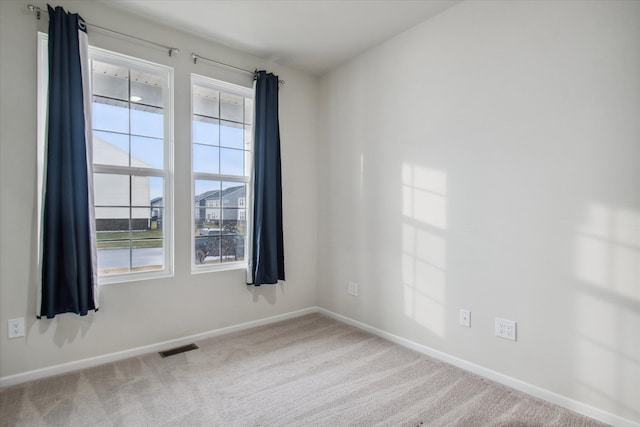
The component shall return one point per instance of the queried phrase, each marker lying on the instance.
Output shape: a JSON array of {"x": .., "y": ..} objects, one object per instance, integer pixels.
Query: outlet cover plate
[
  {"x": 465, "y": 318},
  {"x": 353, "y": 289},
  {"x": 505, "y": 328},
  {"x": 15, "y": 327}
]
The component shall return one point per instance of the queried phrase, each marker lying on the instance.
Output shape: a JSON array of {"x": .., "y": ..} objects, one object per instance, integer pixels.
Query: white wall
[
  {"x": 146, "y": 312},
  {"x": 488, "y": 159}
]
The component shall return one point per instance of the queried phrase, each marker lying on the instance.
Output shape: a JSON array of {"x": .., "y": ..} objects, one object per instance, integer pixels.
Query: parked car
[{"x": 223, "y": 243}]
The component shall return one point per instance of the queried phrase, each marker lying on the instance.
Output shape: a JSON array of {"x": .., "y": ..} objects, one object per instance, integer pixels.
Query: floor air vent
[{"x": 178, "y": 350}]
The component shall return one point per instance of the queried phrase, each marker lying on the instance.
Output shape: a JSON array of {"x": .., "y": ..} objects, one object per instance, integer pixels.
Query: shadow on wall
[
  {"x": 424, "y": 209},
  {"x": 69, "y": 327},
  {"x": 607, "y": 307},
  {"x": 267, "y": 292}
]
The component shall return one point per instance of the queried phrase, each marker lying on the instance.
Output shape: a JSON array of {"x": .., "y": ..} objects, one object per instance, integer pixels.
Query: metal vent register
[{"x": 178, "y": 350}]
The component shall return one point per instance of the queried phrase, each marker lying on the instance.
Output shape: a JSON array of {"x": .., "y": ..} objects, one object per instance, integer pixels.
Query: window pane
[
  {"x": 128, "y": 132},
  {"x": 112, "y": 227},
  {"x": 140, "y": 218},
  {"x": 105, "y": 237},
  {"x": 147, "y": 255},
  {"x": 110, "y": 148},
  {"x": 111, "y": 190},
  {"x": 231, "y": 162},
  {"x": 231, "y": 135},
  {"x": 156, "y": 190},
  {"x": 204, "y": 188},
  {"x": 114, "y": 259},
  {"x": 146, "y": 198},
  {"x": 231, "y": 107},
  {"x": 147, "y": 152},
  {"x": 233, "y": 194},
  {"x": 146, "y": 88},
  {"x": 112, "y": 219},
  {"x": 230, "y": 215},
  {"x": 110, "y": 115},
  {"x": 206, "y": 130},
  {"x": 207, "y": 212},
  {"x": 111, "y": 81},
  {"x": 206, "y": 159},
  {"x": 233, "y": 221},
  {"x": 205, "y": 101},
  {"x": 157, "y": 217},
  {"x": 147, "y": 121},
  {"x": 112, "y": 235},
  {"x": 207, "y": 249},
  {"x": 220, "y": 207}
]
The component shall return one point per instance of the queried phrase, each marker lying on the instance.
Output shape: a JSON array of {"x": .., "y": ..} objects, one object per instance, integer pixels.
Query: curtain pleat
[
  {"x": 267, "y": 244},
  {"x": 68, "y": 258}
]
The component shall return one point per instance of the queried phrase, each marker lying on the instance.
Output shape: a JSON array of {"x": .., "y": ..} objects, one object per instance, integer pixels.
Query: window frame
[
  {"x": 247, "y": 179},
  {"x": 167, "y": 172}
]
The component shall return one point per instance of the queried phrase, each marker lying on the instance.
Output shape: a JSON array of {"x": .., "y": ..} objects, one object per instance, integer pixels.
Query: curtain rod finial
[{"x": 35, "y": 9}]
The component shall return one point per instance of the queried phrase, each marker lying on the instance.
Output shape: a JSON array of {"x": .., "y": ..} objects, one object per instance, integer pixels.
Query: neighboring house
[
  {"x": 224, "y": 207},
  {"x": 112, "y": 204},
  {"x": 156, "y": 212}
]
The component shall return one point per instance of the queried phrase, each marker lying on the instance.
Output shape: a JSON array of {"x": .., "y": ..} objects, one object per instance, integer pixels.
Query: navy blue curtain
[
  {"x": 67, "y": 269},
  {"x": 267, "y": 257}
]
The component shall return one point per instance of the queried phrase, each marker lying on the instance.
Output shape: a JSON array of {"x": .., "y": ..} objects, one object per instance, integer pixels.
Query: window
[
  {"x": 132, "y": 118},
  {"x": 132, "y": 157},
  {"x": 222, "y": 116}
]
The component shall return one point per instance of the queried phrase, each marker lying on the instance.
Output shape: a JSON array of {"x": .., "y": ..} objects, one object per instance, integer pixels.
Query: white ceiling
[{"x": 311, "y": 35}]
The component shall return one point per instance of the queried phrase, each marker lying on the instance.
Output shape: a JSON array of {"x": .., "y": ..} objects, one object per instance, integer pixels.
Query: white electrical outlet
[
  {"x": 16, "y": 327},
  {"x": 465, "y": 318},
  {"x": 353, "y": 289},
  {"x": 505, "y": 328}
]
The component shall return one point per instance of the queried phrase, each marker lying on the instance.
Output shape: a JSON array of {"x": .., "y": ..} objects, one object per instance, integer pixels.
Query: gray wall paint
[
  {"x": 146, "y": 312},
  {"x": 488, "y": 159}
]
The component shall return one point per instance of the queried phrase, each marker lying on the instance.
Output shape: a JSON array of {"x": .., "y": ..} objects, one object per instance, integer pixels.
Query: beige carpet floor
[{"x": 309, "y": 371}]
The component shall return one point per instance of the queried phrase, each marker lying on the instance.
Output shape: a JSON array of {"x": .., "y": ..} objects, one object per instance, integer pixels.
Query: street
[{"x": 109, "y": 259}]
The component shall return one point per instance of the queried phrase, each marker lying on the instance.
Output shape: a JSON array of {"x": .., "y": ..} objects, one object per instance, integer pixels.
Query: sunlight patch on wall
[
  {"x": 607, "y": 305},
  {"x": 424, "y": 195},
  {"x": 423, "y": 276},
  {"x": 604, "y": 363},
  {"x": 424, "y": 205},
  {"x": 607, "y": 250},
  {"x": 602, "y": 322}
]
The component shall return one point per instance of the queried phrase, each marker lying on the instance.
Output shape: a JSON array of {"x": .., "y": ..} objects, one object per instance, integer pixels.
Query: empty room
[{"x": 320, "y": 213}]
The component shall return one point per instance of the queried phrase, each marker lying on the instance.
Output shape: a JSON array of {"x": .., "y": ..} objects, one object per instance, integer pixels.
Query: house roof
[{"x": 215, "y": 194}]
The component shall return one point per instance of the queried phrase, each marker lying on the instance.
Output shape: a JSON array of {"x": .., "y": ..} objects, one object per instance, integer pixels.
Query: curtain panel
[
  {"x": 69, "y": 274},
  {"x": 266, "y": 263}
]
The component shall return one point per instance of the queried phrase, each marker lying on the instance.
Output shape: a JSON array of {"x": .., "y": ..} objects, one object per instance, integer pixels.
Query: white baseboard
[
  {"x": 549, "y": 396},
  {"x": 121, "y": 355}
]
